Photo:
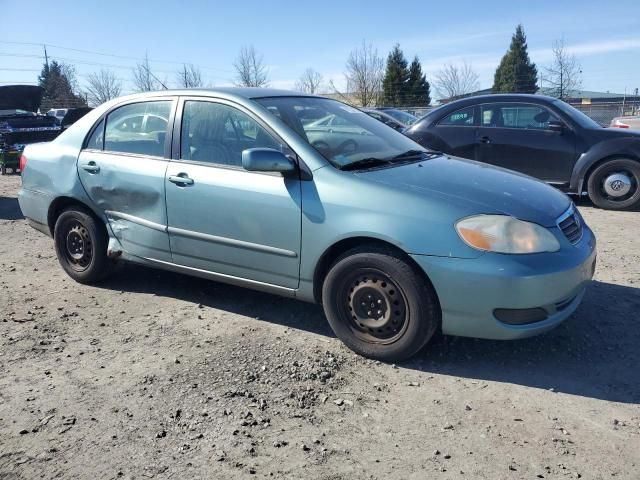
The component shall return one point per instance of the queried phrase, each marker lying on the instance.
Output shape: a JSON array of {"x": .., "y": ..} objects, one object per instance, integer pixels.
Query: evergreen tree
[
  {"x": 419, "y": 91},
  {"x": 396, "y": 78},
  {"x": 516, "y": 73},
  {"x": 57, "y": 80}
]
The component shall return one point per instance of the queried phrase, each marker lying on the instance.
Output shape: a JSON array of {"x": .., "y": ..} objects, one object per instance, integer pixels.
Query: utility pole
[{"x": 46, "y": 57}]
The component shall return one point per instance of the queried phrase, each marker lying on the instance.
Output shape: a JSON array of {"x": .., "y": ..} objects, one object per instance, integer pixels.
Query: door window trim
[{"x": 167, "y": 141}]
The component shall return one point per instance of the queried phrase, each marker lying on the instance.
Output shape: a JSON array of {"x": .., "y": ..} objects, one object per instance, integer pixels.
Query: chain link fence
[{"x": 603, "y": 113}]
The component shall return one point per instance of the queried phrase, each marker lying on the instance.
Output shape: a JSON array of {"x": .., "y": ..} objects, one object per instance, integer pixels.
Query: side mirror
[
  {"x": 556, "y": 126},
  {"x": 266, "y": 160}
]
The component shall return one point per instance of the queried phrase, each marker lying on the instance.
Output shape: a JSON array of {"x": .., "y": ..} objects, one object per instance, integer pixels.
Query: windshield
[
  {"x": 576, "y": 115},
  {"x": 342, "y": 134},
  {"x": 401, "y": 116}
]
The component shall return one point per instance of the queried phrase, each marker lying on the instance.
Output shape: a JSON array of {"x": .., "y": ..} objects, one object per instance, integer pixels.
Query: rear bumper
[{"x": 470, "y": 290}]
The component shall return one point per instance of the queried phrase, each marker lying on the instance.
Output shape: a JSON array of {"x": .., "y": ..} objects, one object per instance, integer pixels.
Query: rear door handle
[
  {"x": 485, "y": 139},
  {"x": 181, "y": 179},
  {"x": 91, "y": 167}
]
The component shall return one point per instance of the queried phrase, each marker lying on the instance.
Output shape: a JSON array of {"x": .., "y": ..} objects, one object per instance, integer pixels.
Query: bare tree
[
  {"x": 143, "y": 78},
  {"x": 456, "y": 80},
  {"x": 364, "y": 73},
  {"x": 189, "y": 77},
  {"x": 563, "y": 76},
  {"x": 310, "y": 81},
  {"x": 250, "y": 68},
  {"x": 102, "y": 87}
]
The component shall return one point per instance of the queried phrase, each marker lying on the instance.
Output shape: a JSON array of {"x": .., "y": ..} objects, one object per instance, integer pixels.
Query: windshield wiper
[
  {"x": 409, "y": 154},
  {"x": 365, "y": 163}
]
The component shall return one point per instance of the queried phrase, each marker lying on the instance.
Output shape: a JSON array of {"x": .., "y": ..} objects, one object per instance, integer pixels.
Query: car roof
[
  {"x": 502, "y": 97},
  {"x": 230, "y": 92}
]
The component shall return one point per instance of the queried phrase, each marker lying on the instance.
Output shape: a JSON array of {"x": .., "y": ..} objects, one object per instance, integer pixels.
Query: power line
[{"x": 113, "y": 55}]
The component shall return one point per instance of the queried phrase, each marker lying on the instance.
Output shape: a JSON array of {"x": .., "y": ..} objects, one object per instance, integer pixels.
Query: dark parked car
[
  {"x": 403, "y": 117},
  {"x": 19, "y": 125},
  {"x": 385, "y": 118},
  {"x": 73, "y": 115},
  {"x": 542, "y": 137}
]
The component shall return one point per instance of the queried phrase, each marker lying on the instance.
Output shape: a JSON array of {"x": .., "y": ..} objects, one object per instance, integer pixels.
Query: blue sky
[{"x": 295, "y": 35}]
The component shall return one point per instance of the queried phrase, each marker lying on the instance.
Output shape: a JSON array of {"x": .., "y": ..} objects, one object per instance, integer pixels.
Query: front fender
[{"x": 628, "y": 147}]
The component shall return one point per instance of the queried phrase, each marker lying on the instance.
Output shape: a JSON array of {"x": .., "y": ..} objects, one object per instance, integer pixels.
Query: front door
[
  {"x": 122, "y": 169},
  {"x": 222, "y": 218},
  {"x": 517, "y": 136}
]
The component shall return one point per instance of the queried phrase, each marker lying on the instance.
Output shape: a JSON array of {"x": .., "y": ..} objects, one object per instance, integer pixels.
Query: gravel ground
[{"x": 158, "y": 375}]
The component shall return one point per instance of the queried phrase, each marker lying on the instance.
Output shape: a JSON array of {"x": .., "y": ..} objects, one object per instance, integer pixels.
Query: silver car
[{"x": 626, "y": 122}]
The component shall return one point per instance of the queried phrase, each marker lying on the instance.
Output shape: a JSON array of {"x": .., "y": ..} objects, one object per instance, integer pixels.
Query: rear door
[
  {"x": 122, "y": 169},
  {"x": 517, "y": 136}
]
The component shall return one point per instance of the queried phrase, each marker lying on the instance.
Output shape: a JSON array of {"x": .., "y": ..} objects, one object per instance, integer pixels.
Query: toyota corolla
[{"x": 394, "y": 240}]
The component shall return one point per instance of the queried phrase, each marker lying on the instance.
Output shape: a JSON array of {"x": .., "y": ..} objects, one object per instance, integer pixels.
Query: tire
[
  {"x": 3, "y": 170},
  {"x": 404, "y": 302},
  {"x": 81, "y": 246},
  {"x": 597, "y": 184}
]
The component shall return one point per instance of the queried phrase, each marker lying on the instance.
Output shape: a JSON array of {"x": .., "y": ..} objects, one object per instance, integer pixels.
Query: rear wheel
[
  {"x": 378, "y": 305},
  {"x": 615, "y": 185},
  {"x": 81, "y": 246}
]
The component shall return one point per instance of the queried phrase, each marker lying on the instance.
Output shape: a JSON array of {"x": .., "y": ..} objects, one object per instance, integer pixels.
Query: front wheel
[
  {"x": 615, "y": 184},
  {"x": 379, "y": 305},
  {"x": 81, "y": 246}
]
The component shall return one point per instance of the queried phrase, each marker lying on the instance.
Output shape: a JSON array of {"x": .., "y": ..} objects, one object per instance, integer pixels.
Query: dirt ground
[{"x": 158, "y": 375}]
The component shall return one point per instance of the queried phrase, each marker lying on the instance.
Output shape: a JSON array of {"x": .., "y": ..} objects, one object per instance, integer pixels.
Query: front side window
[
  {"x": 138, "y": 128},
  {"x": 463, "y": 117},
  {"x": 514, "y": 115},
  {"x": 342, "y": 134},
  {"x": 217, "y": 133}
]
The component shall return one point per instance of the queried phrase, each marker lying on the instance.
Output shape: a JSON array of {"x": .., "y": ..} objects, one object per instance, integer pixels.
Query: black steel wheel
[
  {"x": 81, "y": 245},
  {"x": 379, "y": 304},
  {"x": 615, "y": 184}
]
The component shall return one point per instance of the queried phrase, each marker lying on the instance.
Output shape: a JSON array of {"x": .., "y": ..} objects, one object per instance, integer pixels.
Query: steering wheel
[{"x": 347, "y": 147}]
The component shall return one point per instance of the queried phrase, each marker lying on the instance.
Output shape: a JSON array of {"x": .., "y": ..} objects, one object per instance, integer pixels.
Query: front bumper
[{"x": 470, "y": 290}]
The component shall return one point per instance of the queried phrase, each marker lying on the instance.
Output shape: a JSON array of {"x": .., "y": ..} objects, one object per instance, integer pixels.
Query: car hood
[
  {"x": 20, "y": 97},
  {"x": 612, "y": 132},
  {"x": 489, "y": 189}
]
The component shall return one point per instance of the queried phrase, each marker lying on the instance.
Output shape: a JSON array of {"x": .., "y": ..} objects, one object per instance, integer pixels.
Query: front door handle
[
  {"x": 181, "y": 179},
  {"x": 91, "y": 167},
  {"x": 485, "y": 139}
]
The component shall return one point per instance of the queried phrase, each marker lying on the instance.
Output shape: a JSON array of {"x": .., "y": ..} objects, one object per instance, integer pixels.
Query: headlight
[{"x": 504, "y": 234}]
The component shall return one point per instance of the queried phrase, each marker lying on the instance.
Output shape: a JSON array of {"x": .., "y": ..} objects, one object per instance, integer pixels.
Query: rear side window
[
  {"x": 138, "y": 128},
  {"x": 96, "y": 140},
  {"x": 516, "y": 115},
  {"x": 462, "y": 117}
]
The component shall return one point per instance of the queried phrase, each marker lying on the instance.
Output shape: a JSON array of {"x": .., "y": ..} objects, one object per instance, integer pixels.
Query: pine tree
[
  {"x": 396, "y": 77},
  {"x": 516, "y": 73},
  {"x": 57, "y": 80},
  {"x": 419, "y": 91}
]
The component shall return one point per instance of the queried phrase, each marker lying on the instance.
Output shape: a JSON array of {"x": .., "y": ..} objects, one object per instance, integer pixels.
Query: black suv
[{"x": 542, "y": 137}]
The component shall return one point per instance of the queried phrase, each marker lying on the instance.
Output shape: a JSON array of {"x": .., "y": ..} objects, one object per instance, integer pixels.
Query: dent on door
[{"x": 131, "y": 194}]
